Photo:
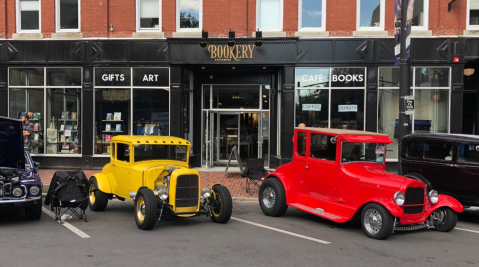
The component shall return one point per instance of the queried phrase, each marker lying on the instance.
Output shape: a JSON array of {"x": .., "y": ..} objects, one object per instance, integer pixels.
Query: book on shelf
[
  {"x": 35, "y": 127},
  {"x": 68, "y": 127},
  {"x": 38, "y": 115},
  {"x": 109, "y": 116},
  {"x": 117, "y": 116},
  {"x": 36, "y": 137},
  {"x": 62, "y": 127},
  {"x": 68, "y": 132},
  {"x": 107, "y": 127},
  {"x": 35, "y": 116},
  {"x": 75, "y": 127},
  {"x": 65, "y": 149},
  {"x": 107, "y": 137},
  {"x": 65, "y": 115},
  {"x": 118, "y": 127},
  {"x": 103, "y": 136},
  {"x": 62, "y": 138},
  {"x": 74, "y": 115}
]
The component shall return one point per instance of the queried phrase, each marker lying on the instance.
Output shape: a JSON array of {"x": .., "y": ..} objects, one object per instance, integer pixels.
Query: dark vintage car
[
  {"x": 448, "y": 163},
  {"x": 20, "y": 185}
]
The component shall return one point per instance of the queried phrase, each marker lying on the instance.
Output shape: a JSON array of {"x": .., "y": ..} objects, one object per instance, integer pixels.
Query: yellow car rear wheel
[
  {"x": 222, "y": 204},
  {"x": 97, "y": 199},
  {"x": 146, "y": 209}
]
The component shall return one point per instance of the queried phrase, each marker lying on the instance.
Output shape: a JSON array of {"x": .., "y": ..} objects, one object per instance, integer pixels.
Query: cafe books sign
[{"x": 231, "y": 53}]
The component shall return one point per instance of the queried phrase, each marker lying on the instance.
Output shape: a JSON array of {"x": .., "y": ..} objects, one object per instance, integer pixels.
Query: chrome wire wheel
[
  {"x": 373, "y": 221},
  {"x": 439, "y": 217},
  {"x": 140, "y": 209},
  {"x": 269, "y": 197}
]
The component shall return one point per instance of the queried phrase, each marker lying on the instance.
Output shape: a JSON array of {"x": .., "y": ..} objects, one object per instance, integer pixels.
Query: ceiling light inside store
[
  {"x": 202, "y": 68},
  {"x": 468, "y": 71},
  {"x": 233, "y": 68},
  {"x": 264, "y": 68},
  {"x": 264, "y": 96}
]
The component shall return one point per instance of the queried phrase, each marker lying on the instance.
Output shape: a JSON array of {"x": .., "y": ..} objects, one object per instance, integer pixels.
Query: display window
[
  {"x": 431, "y": 93},
  {"x": 56, "y": 93},
  {"x": 130, "y": 101},
  {"x": 330, "y": 97}
]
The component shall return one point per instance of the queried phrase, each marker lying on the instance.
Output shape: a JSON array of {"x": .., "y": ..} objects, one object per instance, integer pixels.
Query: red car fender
[
  {"x": 445, "y": 201},
  {"x": 389, "y": 204},
  {"x": 288, "y": 185}
]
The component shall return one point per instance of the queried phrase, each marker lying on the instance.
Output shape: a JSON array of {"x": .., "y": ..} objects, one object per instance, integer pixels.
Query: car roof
[
  {"x": 339, "y": 131},
  {"x": 444, "y": 136},
  {"x": 150, "y": 140}
]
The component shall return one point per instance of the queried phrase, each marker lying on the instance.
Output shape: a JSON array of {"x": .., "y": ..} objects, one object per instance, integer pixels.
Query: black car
[
  {"x": 448, "y": 163},
  {"x": 20, "y": 185}
]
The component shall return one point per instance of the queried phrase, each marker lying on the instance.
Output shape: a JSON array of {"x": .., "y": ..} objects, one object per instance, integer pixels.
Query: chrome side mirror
[{"x": 333, "y": 140}]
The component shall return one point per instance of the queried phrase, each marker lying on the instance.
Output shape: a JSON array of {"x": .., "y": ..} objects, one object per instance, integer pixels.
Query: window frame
[
  {"x": 138, "y": 19},
  {"x": 382, "y": 20},
  {"x": 281, "y": 17},
  {"x": 57, "y": 18},
  {"x": 468, "y": 17},
  {"x": 300, "y": 18},
  {"x": 177, "y": 18},
  {"x": 425, "y": 18},
  {"x": 18, "y": 18}
]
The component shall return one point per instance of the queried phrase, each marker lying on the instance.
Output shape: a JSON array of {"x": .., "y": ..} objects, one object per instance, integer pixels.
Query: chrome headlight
[
  {"x": 206, "y": 193},
  {"x": 34, "y": 190},
  {"x": 399, "y": 198},
  {"x": 17, "y": 191},
  {"x": 433, "y": 196},
  {"x": 163, "y": 193}
]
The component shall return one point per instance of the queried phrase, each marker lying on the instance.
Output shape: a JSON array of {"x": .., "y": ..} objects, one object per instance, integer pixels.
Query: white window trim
[
  {"x": 469, "y": 27},
  {"x": 425, "y": 18},
  {"x": 258, "y": 17},
  {"x": 138, "y": 29},
  {"x": 323, "y": 18},
  {"x": 178, "y": 29},
  {"x": 18, "y": 18},
  {"x": 57, "y": 18},
  {"x": 381, "y": 17}
]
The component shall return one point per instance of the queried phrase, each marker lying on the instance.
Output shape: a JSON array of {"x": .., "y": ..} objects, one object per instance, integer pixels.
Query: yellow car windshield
[{"x": 160, "y": 152}]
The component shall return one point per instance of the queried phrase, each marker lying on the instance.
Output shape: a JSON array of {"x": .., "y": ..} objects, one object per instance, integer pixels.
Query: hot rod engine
[{"x": 9, "y": 180}]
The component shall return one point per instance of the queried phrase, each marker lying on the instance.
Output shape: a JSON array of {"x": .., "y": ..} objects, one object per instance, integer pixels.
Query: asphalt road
[{"x": 111, "y": 238}]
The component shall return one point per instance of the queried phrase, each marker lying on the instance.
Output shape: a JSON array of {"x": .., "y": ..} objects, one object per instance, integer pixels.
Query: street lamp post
[{"x": 404, "y": 89}]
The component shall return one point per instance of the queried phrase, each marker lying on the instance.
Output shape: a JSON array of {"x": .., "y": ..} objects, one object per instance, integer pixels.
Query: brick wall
[{"x": 219, "y": 16}]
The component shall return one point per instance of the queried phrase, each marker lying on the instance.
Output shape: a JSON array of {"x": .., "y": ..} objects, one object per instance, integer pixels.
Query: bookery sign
[{"x": 230, "y": 53}]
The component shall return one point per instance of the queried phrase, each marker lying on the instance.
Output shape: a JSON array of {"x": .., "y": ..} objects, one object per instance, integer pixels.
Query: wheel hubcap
[
  {"x": 217, "y": 209},
  {"x": 140, "y": 209},
  {"x": 92, "y": 194},
  {"x": 439, "y": 217},
  {"x": 269, "y": 197},
  {"x": 373, "y": 221}
]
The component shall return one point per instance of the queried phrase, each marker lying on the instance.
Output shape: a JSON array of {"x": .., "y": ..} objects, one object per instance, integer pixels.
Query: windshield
[
  {"x": 160, "y": 152},
  {"x": 362, "y": 152}
]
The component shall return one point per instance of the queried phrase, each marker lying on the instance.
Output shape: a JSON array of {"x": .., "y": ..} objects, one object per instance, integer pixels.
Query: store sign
[
  {"x": 348, "y": 77},
  {"x": 230, "y": 53},
  {"x": 151, "y": 77},
  {"x": 347, "y": 108},
  {"x": 313, "y": 107},
  {"x": 314, "y": 78},
  {"x": 409, "y": 105},
  {"x": 112, "y": 77}
]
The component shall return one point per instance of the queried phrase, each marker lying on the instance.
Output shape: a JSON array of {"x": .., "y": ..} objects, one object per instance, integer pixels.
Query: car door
[
  {"x": 437, "y": 165},
  {"x": 466, "y": 175},
  {"x": 122, "y": 169},
  {"x": 323, "y": 168},
  {"x": 300, "y": 163}
]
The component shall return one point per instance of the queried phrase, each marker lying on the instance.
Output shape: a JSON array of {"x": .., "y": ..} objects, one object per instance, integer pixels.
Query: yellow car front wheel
[
  {"x": 221, "y": 204},
  {"x": 146, "y": 209},
  {"x": 97, "y": 199}
]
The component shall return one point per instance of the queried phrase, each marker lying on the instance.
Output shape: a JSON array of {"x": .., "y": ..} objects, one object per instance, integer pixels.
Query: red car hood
[{"x": 374, "y": 175}]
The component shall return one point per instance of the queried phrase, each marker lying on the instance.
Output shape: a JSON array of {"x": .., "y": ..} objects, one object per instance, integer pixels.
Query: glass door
[
  {"x": 263, "y": 138},
  {"x": 227, "y": 136}
]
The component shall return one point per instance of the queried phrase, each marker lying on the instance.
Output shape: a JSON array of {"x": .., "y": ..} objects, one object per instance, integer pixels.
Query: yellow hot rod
[{"x": 153, "y": 172}]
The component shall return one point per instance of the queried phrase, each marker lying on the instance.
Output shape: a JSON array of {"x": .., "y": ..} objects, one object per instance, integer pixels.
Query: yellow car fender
[{"x": 103, "y": 182}]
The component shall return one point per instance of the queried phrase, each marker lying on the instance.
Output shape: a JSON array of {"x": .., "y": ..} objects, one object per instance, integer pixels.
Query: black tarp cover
[{"x": 68, "y": 186}]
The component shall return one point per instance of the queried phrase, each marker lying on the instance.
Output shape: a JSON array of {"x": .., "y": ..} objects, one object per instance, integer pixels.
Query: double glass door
[{"x": 248, "y": 131}]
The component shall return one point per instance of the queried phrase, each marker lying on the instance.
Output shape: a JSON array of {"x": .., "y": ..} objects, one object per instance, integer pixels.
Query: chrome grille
[
  {"x": 415, "y": 197},
  {"x": 187, "y": 191}
]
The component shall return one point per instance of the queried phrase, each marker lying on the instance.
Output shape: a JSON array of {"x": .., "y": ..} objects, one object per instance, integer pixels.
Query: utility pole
[{"x": 404, "y": 89}]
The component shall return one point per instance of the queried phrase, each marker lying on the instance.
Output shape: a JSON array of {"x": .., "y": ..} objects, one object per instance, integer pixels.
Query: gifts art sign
[{"x": 230, "y": 53}]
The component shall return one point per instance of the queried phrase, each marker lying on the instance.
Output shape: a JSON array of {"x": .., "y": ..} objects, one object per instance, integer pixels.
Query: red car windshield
[{"x": 362, "y": 152}]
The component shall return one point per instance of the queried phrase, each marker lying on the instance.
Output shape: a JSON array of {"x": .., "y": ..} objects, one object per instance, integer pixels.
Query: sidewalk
[{"x": 232, "y": 180}]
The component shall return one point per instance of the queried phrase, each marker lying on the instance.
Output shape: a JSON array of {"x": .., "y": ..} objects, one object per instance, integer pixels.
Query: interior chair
[
  {"x": 68, "y": 192},
  {"x": 254, "y": 173}
]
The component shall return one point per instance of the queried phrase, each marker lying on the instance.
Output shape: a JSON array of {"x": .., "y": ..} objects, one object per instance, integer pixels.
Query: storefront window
[
  {"x": 431, "y": 110},
  {"x": 333, "y": 102},
  {"x": 117, "y": 113},
  {"x": 60, "y": 130}
]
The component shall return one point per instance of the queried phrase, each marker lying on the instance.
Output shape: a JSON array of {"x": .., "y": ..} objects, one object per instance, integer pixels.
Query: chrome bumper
[{"x": 16, "y": 200}]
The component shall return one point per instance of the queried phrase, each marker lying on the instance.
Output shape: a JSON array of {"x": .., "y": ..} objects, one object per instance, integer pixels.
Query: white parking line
[
  {"x": 283, "y": 231},
  {"x": 67, "y": 225},
  {"x": 467, "y": 230}
]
